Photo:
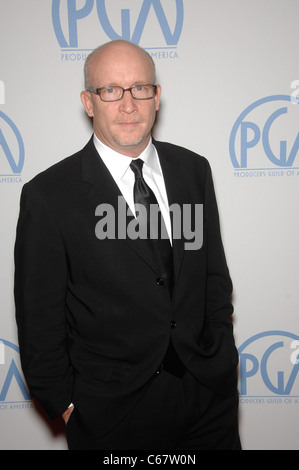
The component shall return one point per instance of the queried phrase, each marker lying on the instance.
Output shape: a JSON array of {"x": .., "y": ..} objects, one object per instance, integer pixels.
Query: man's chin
[{"x": 131, "y": 143}]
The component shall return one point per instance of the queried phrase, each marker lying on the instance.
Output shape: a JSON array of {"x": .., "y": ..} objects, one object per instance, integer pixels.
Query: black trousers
[{"x": 174, "y": 414}]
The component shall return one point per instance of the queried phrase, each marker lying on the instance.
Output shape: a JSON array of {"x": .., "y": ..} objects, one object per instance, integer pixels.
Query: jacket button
[
  {"x": 159, "y": 281},
  {"x": 173, "y": 324}
]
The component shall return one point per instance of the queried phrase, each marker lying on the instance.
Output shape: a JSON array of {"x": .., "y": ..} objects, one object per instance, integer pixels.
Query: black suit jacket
[{"x": 94, "y": 324}]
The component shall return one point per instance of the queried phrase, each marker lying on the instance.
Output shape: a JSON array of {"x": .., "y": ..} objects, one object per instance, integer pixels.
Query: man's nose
[{"x": 128, "y": 103}]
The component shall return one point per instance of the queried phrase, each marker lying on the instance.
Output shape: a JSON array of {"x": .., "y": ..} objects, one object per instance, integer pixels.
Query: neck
[{"x": 132, "y": 151}]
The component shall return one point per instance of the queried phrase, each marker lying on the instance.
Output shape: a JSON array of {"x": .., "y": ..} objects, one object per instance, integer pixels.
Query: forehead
[{"x": 124, "y": 65}]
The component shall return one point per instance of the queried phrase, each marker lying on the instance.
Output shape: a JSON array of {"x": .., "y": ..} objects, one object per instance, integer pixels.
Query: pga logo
[
  {"x": 269, "y": 365},
  {"x": 12, "y": 385},
  {"x": 12, "y": 151},
  {"x": 266, "y": 132},
  {"x": 68, "y": 17}
]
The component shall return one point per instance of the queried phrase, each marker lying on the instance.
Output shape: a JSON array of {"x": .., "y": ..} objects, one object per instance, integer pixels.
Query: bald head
[
  {"x": 115, "y": 49},
  {"x": 125, "y": 124}
]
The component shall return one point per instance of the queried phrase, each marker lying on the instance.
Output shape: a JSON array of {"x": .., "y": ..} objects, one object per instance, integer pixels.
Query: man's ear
[
  {"x": 157, "y": 97},
  {"x": 87, "y": 102}
]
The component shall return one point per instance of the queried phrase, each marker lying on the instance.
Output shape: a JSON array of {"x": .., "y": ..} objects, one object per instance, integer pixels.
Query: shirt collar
[{"x": 118, "y": 163}]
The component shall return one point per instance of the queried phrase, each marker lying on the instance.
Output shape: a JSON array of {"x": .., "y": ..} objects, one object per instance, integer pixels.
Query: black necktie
[
  {"x": 161, "y": 249},
  {"x": 151, "y": 221}
]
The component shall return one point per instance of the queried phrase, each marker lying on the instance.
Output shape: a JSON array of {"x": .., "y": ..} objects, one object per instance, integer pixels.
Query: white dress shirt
[{"x": 119, "y": 167}]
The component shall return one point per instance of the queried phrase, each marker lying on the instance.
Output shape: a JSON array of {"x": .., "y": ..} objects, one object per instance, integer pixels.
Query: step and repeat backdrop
[{"x": 241, "y": 59}]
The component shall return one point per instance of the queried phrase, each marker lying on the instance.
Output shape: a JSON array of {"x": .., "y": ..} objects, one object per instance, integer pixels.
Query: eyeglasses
[{"x": 116, "y": 93}]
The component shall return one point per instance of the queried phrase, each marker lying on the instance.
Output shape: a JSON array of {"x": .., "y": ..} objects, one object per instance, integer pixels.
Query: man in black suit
[{"x": 126, "y": 338}]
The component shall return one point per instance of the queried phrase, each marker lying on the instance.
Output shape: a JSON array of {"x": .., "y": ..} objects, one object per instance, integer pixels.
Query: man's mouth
[{"x": 128, "y": 123}]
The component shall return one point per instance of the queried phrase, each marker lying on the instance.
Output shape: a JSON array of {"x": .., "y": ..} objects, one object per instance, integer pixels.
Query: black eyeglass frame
[{"x": 97, "y": 91}]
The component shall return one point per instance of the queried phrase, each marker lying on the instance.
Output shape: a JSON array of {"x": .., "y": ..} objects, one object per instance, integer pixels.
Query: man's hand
[{"x": 67, "y": 413}]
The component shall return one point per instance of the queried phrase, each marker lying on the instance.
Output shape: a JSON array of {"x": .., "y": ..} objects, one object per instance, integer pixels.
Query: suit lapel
[{"x": 102, "y": 189}]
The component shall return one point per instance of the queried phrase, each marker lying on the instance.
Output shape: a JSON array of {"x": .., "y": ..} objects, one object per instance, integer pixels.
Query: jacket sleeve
[
  {"x": 40, "y": 291},
  {"x": 219, "y": 286},
  {"x": 218, "y": 358}
]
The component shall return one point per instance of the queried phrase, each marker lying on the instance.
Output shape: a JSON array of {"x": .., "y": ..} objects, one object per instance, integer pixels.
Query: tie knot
[{"x": 136, "y": 166}]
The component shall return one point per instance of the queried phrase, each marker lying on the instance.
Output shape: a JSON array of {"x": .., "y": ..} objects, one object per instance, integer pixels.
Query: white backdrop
[{"x": 242, "y": 58}]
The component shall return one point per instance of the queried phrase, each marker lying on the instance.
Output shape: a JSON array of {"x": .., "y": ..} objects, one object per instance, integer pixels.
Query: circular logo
[
  {"x": 269, "y": 365},
  {"x": 12, "y": 385},
  {"x": 266, "y": 131},
  {"x": 12, "y": 145}
]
